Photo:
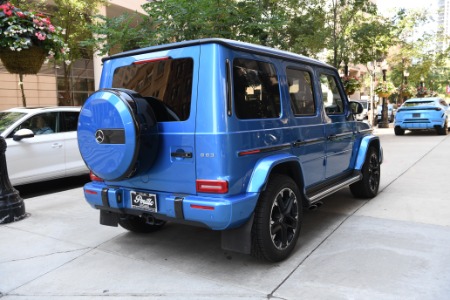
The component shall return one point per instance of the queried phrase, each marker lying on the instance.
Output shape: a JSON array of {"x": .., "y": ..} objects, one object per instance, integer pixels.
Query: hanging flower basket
[
  {"x": 26, "y": 61},
  {"x": 408, "y": 91},
  {"x": 385, "y": 89},
  {"x": 350, "y": 91},
  {"x": 383, "y": 95},
  {"x": 351, "y": 84}
]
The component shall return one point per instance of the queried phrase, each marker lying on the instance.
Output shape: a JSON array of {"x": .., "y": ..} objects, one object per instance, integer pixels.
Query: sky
[{"x": 386, "y": 5}]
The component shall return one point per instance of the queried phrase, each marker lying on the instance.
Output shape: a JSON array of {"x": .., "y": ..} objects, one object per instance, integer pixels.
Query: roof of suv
[
  {"x": 241, "y": 46},
  {"x": 43, "y": 108}
]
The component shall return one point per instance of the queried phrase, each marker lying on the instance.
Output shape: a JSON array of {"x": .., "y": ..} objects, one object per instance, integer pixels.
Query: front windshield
[
  {"x": 7, "y": 118},
  {"x": 418, "y": 103}
]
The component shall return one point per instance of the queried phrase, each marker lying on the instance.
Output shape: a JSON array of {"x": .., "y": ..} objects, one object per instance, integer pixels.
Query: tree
[
  {"x": 74, "y": 16},
  {"x": 342, "y": 16},
  {"x": 307, "y": 32},
  {"x": 257, "y": 21},
  {"x": 125, "y": 32},
  {"x": 371, "y": 40}
]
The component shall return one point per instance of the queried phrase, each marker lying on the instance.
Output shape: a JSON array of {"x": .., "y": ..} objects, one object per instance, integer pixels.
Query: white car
[{"x": 41, "y": 143}]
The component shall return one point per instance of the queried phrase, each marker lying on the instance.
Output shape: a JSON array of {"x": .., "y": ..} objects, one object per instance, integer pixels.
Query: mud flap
[
  {"x": 109, "y": 218},
  {"x": 238, "y": 239}
]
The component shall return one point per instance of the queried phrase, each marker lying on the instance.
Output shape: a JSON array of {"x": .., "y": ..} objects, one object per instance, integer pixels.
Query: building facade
[{"x": 44, "y": 88}]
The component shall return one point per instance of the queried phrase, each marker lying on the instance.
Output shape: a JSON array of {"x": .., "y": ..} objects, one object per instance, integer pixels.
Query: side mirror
[
  {"x": 356, "y": 107},
  {"x": 23, "y": 134}
]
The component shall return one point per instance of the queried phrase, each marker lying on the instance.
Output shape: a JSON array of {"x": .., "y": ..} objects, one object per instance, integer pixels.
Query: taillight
[
  {"x": 94, "y": 177},
  {"x": 212, "y": 186}
]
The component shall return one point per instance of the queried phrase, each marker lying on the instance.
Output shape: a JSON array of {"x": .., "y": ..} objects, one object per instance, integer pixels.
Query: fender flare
[
  {"x": 367, "y": 142},
  {"x": 264, "y": 167}
]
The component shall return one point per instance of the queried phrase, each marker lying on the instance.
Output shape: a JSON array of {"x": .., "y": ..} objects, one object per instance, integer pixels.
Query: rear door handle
[
  {"x": 56, "y": 145},
  {"x": 181, "y": 154}
]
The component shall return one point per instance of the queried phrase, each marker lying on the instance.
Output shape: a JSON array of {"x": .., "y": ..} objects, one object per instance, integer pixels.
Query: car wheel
[
  {"x": 117, "y": 134},
  {"x": 140, "y": 224},
  {"x": 368, "y": 186},
  {"x": 442, "y": 130},
  {"x": 277, "y": 220},
  {"x": 399, "y": 131}
]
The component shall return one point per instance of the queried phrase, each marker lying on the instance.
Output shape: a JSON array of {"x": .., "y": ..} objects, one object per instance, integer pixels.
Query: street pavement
[{"x": 395, "y": 246}]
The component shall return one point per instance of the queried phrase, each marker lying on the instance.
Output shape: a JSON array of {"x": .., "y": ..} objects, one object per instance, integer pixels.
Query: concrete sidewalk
[{"x": 395, "y": 246}]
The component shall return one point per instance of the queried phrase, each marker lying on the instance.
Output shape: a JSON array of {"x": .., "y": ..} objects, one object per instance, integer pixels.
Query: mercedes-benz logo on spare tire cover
[{"x": 99, "y": 136}]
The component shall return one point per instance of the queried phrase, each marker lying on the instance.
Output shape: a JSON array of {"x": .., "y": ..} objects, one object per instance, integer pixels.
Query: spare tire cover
[{"x": 117, "y": 134}]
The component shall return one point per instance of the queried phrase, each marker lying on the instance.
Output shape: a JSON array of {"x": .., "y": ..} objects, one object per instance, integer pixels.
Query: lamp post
[
  {"x": 404, "y": 85},
  {"x": 372, "y": 68},
  {"x": 421, "y": 87},
  {"x": 384, "y": 109},
  {"x": 12, "y": 207}
]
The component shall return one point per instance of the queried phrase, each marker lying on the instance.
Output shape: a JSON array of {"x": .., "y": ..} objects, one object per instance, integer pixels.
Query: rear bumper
[
  {"x": 419, "y": 124},
  {"x": 213, "y": 212}
]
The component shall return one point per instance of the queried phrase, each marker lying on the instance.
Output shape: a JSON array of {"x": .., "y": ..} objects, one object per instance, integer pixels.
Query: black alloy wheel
[
  {"x": 368, "y": 186},
  {"x": 277, "y": 222}
]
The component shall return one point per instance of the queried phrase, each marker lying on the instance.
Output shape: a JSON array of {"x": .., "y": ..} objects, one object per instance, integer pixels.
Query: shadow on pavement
[{"x": 52, "y": 186}]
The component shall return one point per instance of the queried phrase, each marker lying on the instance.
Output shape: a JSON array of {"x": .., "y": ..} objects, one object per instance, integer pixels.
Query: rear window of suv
[{"x": 166, "y": 83}]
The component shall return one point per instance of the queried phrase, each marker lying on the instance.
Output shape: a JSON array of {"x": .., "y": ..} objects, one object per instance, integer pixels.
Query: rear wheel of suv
[
  {"x": 368, "y": 186},
  {"x": 140, "y": 224},
  {"x": 399, "y": 131},
  {"x": 277, "y": 220},
  {"x": 442, "y": 130}
]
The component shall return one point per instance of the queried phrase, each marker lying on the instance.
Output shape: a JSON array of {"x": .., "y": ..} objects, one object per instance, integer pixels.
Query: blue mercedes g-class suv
[{"x": 222, "y": 134}]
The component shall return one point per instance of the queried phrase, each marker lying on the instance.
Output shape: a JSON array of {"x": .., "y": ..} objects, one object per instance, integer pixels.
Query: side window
[
  {"x": 43, "y": 123},
  {"x": 69, "y": 121},
  {"x": 331, "y": 97},
  {"x": 300, "y": 92},
  {"x": 256, "y": 90}
]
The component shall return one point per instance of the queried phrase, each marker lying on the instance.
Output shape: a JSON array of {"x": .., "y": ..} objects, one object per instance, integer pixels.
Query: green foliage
[
  {"x": 343, "y": 16},
  {"x": 74, "y": 16},
  {"x": 307, "y": 33},
  {"x": 126, "y": 32},
  {"x": 371, "y": 40},
  {"x": 251, "y": 20}
]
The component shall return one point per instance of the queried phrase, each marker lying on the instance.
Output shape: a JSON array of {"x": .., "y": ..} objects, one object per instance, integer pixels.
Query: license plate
[
  {"x": 416, "y": 115},
  {"x": 144, "y": 201}
]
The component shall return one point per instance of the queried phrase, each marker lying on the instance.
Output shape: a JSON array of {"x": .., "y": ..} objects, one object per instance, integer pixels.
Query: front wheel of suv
[
  {"x": 277, "y": 221},
  {"x": 368, "y": 186},
  {"x": 140, "y": 224}
]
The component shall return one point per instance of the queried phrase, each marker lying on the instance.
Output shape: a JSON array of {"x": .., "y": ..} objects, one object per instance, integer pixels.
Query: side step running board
[{"x": 326, "y": 192}]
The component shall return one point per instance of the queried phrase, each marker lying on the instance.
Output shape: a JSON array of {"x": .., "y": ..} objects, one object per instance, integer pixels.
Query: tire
[
  {"x": 442, "y": 130},
  {"x": 399, "y": 131},
  {"x": 140, "y": 224},
  {"x": 367, "y": 187},
  {"x": 277, "y": 221}
]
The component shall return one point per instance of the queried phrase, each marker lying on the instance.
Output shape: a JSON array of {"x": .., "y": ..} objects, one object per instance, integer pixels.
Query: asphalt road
[{"x": 395, "y": 246}]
